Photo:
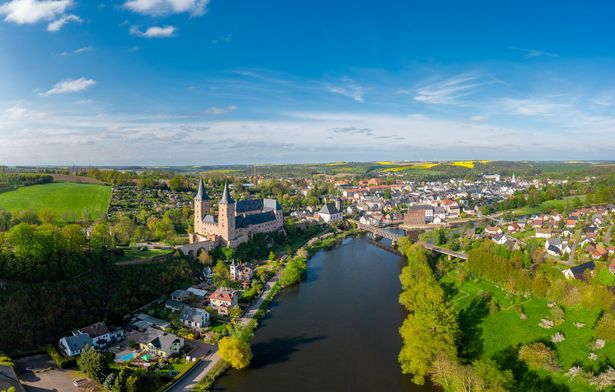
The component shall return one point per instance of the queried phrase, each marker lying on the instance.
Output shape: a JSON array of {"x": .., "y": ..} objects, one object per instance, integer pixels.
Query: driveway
[{"x": 38, "y": 373}]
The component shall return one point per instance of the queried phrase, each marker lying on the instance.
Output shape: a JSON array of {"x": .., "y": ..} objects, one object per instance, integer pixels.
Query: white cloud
[
  {"x": 33, "y": 11},
  {"x": 223, "y": 39},
  {"x": 529, "y": 107},
  {"x": 70, "y": 86},
  {"x": 216, "y": 111},
  {"x": 353, "y": 91},
  {"x": 18, "y": 112},
  {"x": 56, "y": 25},
  {"x": 477, "y": 118},
  {"x": 154, "y": 31},
  {"x": 534, "y": 52},
  {"x": 451, "y": 91},
  {"x": 165, "y": 7},
  {"x": 84, "y": 49}
]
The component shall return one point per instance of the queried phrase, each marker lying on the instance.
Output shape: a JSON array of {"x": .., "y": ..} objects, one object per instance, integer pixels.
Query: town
[{"x": 248, "y": 237}]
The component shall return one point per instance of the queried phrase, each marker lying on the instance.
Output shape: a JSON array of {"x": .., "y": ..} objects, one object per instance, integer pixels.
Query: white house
[
  {"x": 72, "y": 345},
  {"x": 194, "y": 317},
  {"x": 223, "y": 299},
  {"x": 329, "y": 213}
]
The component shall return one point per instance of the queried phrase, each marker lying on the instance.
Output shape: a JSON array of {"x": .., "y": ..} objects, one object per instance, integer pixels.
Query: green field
[
  {"x": 499, "y": 331},
  {"x": 70, "y": 201},
  {"x": 545, "y": 207}
]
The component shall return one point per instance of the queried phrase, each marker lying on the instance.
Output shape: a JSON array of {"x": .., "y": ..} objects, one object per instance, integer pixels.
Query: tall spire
[
  {"x": 201, "y": 193},
  {"x": 226, "y": 195}
]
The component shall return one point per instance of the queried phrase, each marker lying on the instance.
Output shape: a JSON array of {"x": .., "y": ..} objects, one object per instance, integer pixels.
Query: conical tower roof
[
  {"x": 201, "y": 193},
  {"x": 226, "y": 195}
]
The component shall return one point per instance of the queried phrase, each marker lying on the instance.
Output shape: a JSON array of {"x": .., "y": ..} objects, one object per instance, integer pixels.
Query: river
[{"x": 336, "y": 331}]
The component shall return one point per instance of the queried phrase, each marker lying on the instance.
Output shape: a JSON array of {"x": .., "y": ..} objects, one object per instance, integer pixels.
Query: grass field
[
  {"x": 497, "y": 332},
  {"x": 69, "y": 200},
  {"x": 544, "y": 207},
  {"x": 135, "y": 254}
]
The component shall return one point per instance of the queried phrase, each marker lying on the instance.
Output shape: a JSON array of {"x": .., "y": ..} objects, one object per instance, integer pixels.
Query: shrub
[
  {"x": 61, "y": 361},
  {"x": 538, "y": 356},
  {"x": 605, "y": 327}
]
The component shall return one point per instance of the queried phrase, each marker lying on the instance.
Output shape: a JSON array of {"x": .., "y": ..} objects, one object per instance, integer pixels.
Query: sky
[{"x": 206, "y": 82}]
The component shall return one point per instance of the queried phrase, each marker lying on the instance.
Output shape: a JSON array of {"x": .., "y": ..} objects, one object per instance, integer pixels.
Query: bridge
[{"x": 395, "y": 238}]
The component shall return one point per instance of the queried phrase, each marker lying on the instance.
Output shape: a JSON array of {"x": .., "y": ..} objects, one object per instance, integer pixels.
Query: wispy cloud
[
  {"x": 451, "y": 91},
  {"x": 70, "y": 86},
  {"x": 165, "y": 7},
  {"x": 216, "y": 111},
  {"x": 154, "y": 31},
  {"x": 534, "y": 52},
  {"x": 529, "y": 106},
  {"x": 57, "y": 25},
  {"x": 350, "y": 90},
  {"x": 223, "y": 39}
]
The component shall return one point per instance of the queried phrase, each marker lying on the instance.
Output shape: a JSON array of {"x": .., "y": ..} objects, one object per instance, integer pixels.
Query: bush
[
  {"x": 605, "y": 327},
  {"x": 538, "y": 356},
  {"x": 61, "y": 361}
]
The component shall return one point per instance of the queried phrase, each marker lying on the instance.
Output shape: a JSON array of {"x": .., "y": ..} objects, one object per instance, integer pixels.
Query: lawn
[
  {"x": 545, "y": 206},
  {"x": 136, "y": 254},
  {"x": 71, "y": 201},
  {"x": 496, "y": 332}
]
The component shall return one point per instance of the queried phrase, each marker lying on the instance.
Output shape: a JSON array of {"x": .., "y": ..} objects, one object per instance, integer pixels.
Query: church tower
[
  {"x": 202, "y": 207},
  {"x": 226, "y": 215}
]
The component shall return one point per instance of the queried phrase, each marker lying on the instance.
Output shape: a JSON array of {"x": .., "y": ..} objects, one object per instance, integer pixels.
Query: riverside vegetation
[{"x": 499, "y": 322}]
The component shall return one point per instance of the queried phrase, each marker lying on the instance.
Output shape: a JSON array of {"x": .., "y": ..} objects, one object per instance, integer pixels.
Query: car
[
  {"x": 80, "y": 382},
  {"x": 173, "y": 373}
]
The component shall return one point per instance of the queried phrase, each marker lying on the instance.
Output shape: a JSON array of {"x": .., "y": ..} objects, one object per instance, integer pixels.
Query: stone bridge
[
  {"x": 395, "y": 238},
  {"x": 194, "y": 248}
]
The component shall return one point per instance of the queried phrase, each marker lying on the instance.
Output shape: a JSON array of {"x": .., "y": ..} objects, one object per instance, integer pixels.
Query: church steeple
[
  {"x": 201, "y": 193},
  {"x": 226, "y": 195}
]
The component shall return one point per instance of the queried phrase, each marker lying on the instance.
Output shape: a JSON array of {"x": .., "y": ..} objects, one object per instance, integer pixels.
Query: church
[{"x": 237, "y": 221}]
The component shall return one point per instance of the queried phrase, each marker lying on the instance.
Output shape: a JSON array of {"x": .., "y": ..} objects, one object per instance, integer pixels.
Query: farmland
[{"x": 71, "y": 201}]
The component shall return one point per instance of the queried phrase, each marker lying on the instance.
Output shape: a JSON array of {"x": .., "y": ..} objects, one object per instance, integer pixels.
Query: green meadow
[
  {"x": 492, "y": 334},
  {"x": 70, "y": 201}
]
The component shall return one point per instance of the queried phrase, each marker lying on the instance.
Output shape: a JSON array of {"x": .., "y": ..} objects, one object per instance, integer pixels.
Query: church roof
[
  {"x": 226, "y": 195},
  {"x": 329, "y": 208},
  {"x": 254, "y": 219},
  {"x": 201, "y": 193}
]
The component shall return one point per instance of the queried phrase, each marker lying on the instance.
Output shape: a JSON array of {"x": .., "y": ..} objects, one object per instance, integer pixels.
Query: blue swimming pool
[{"x": 127, "y": 357}]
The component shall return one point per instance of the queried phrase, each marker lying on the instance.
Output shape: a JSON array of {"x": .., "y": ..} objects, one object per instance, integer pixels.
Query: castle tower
[
  {"x": 202, "y": 206},
  {"x": 226, "y": 215}
]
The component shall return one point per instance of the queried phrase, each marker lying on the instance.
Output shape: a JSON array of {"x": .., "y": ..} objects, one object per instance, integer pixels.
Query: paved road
[
  {"x": 573, "y": 250},
  {"x": 39, "y": 373},
  {"x": 251, "y": 311},
  {"x": 607, "y": 236}
]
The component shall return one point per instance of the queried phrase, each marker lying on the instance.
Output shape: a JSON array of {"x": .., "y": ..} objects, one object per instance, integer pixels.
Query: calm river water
[{"x": 336, "y": 331}]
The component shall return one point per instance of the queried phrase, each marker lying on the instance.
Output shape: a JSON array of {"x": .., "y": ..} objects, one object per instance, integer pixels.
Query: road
[
  {"x": 198, "y": 373},
  {"x": 573, "y": 250},
  {"x": 607, "y": 236}
]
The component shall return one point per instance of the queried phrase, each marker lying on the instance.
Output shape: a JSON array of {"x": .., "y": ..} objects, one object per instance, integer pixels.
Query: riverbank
[{"x": 336, "y": 330}]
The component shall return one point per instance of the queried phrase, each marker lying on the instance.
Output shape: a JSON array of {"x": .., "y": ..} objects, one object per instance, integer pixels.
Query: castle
[{"x": 237, "y": 221}]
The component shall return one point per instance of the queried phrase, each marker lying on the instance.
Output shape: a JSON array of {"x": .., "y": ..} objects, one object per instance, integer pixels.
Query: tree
[
  {"x": 237, "y": 353},
  {"x": 538, "y": 356},
  {"x": 271, "y": 255},
  {"x": 205, "y": 258},
  {"x": 100, "y": 237},
  {"x": 132, "y": 384},
  {"x": 605, "y": 327},
  {"x": 235, "y": 313},
  {"x": 74, "y": 237},
  {"x": 109, "y": 382},
  {"x": 47, "y": 215},
  {"x": 221, "y": 273},
  {"x": 492, "y": 376},
  {"x": 93, "y": 363}
]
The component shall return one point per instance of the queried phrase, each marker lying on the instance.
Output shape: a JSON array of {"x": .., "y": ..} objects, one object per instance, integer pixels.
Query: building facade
[{"x": 236, "y": 221}]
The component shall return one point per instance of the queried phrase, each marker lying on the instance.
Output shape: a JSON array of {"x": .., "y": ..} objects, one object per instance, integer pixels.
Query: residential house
[
  {"x": 493, "y": 230},
  {"x": 72, "y": 345},
  {"x": 180, "y": 295},
  {"x": 173, "y": 305},
  {"x": 543, "y": 233},
  {"x": 194, "y": 317},
  {"x": 199, "y": 293},
  {"x": 577, "y": 272},
  {"x": 163, "y": 345},
  {"x": 144, "y": 321},
  {"x": 223, "y": 299},
  {"x": 9, "y": 379},
  {"x": 500, "y": 239},
  {"x": 242, "y": 272}
]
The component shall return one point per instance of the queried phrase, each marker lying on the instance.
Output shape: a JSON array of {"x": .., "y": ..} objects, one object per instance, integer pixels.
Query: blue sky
[{"x": 220, "y": 82}]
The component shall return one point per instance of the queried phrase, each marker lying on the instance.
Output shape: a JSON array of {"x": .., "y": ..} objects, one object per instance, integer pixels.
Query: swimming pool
[{"x": 127, "y": 357}]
